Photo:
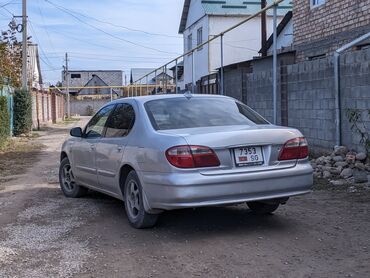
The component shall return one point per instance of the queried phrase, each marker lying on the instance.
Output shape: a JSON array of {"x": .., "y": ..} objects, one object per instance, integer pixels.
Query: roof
[
  {"x": 33, "y": 61},
  {"x": 137, "y": 73},
  {"x": 231, "y": 8},
  {"x": 280, "y": 29},
  {"x": 95, "y": 81},
  {"x": 179, "y": 65}
]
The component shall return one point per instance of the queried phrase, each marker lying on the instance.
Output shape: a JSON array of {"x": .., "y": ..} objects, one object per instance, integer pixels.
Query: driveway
[{"x": 43, "y": 234}]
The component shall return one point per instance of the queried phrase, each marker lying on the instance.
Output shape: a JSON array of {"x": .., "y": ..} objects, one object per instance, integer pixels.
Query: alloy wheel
[
  {"x": 133, "y": 199},
  {"x": 68, "y": 180}
]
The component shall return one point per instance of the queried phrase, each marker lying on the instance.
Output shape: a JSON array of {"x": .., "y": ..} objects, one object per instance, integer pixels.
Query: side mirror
[{"x": 76, "y": 132}]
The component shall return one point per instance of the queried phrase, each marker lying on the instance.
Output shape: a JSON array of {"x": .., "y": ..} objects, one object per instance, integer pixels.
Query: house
[
  {"x": 86, "y": 82},
  {"x": 47, "y": 105},
  {"x": 284, "y": 36},
  {"x": 202, "y": 19},
  {"x": 153, "y": 77},
  {"x": 34, "y": 76},
  {"x": 180, "y": 76},
  {"x": 146, "y": 81},
  {"x": 322, "y": 26}
]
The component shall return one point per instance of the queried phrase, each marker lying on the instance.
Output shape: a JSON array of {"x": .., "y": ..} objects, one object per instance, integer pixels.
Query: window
[
  {"x": 315, "y": 3},
  {"x": 200, "y": 36},
  {"x": 179, "y": 113},
  {"x": 121, "y": 121},
  {"x": 95, "y": 127},
  {"x": 190, "y": 42},
  {"x": 75, "y": 75}
]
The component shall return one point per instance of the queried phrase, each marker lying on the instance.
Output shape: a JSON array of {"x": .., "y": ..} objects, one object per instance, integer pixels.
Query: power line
[
  {"x": 7, "y": 10},
  {"x": 121, "y": 26},
  {"x": 106, "y": 55},
  {"x": 44, "y": 25},
  {"x": 64, "y": 34},
  {"x": 105, "y": 32},
  {"x": 6, "y": 4},
  {"x": 46, "y": 60}
]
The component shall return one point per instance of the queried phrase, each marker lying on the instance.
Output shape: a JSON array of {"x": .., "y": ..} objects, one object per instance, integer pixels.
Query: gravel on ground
[{"x": 43, "y": 234}]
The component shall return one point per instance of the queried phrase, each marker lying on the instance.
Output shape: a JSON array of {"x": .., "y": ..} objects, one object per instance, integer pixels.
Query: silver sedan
[{"x": 168, "y": 152}]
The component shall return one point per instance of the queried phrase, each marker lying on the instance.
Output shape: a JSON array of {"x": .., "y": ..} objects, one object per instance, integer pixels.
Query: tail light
[
  {"x": 192, "y": 157},
  {"x": 296, "y": 148}
]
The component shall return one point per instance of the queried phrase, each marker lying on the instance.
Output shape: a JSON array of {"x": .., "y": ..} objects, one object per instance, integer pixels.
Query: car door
[
  {"x": 84, "y": 150},
  {"x": 111, "y": 147}
]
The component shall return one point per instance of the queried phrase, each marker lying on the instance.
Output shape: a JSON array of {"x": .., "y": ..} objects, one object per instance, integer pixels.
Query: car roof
[{"x": 144, "y": 99}]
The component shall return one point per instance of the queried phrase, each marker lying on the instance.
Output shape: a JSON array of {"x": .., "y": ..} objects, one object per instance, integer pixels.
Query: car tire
[
  {"x": 67, "y": 181},
  {"x": 133, "y": 196},
  {"x": 261, "y": 208}
]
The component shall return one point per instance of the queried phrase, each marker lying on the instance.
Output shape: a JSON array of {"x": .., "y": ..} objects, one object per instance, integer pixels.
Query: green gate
[{"x": 7, "y": 91}]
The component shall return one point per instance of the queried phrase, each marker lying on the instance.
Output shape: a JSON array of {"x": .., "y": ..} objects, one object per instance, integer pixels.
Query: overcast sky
[{"x": 94, "y": 33}]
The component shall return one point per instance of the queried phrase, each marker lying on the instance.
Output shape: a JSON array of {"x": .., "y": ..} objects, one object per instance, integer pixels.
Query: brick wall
[
  {"x": 46, "y": 107},
  {"x": 323, "y": 29},
  {"x": 307, "y": 91}
]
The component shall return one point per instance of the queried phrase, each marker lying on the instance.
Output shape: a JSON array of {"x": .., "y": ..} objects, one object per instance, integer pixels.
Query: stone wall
[
  {"x": 322, "y": 29},
  {"x": 306, "y": 92}
]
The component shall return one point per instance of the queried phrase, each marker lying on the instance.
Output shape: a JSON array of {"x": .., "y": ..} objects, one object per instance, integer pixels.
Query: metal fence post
[
  {"x": 147, "y": 85},
  {"x": 222, "y": 90},
  {"x": 274, "y": 66},
  {"x": 176, "y": 74},
  {"x": 155, "y": 77},
  {"x": 192, "y": 73},
  {"x": 163, "y": 76}
]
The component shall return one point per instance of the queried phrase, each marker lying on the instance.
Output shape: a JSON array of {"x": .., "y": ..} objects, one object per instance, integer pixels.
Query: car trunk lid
[{"x": 224, "y": 140}]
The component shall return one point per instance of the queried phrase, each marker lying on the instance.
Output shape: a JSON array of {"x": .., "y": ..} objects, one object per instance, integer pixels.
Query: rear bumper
[{"x": 188, "y": 190}]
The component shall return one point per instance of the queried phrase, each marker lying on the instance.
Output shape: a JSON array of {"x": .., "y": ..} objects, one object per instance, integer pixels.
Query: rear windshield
[{"x": 179, "y": 113}]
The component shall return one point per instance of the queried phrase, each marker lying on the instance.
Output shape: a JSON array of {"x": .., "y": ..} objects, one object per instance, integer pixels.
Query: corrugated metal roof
[
  {"x": 232, "y": 7},
  {"x": 241, "y": 7}
]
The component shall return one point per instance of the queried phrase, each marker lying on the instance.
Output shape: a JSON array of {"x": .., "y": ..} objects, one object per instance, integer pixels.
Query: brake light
[
  {"x": 192, "y": 157},
  {"x": 296, "y": 148}
]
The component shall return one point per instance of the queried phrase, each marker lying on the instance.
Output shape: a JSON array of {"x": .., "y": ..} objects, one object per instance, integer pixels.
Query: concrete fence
[
  {"x": 306, "y": 96},
  {"x": 86, "y": 107}
]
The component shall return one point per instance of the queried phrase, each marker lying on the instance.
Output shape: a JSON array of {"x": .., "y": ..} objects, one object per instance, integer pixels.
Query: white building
[
  {"x": 202, "y": 19},
  {"x": 34, "y": 77}
]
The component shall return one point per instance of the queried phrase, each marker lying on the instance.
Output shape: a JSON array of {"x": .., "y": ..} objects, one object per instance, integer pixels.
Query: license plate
[{"x": 248, "y": 156}]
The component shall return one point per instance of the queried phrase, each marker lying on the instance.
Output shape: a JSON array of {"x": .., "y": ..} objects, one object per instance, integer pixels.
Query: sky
[{"x": 100, "y": 35}]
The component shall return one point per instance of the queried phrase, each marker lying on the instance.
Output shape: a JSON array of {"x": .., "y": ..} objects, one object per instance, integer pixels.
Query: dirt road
[{"x": 43, "y": 234}]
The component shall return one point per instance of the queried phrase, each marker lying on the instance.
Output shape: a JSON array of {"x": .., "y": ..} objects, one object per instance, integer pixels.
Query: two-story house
[
  {"x": 87, "y": 82},
  {"x": 322, "y": 26},
  {"x": 202, "y": 19}
]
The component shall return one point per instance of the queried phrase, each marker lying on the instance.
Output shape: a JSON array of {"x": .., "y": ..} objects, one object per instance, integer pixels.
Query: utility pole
[
  {"x": 263, "y": 29},
  {"x": 24, "y": 45},
  {"x": 67, "y": 88}
]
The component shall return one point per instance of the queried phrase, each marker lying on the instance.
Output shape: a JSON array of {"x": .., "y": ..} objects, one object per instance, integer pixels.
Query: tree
[
  {"x": 10, "y": 57},
  {"x": 22, "y": 112}
]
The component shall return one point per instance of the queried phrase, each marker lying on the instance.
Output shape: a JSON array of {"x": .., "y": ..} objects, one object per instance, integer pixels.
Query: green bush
[
  {"x": 22, "y": 112},
  {"x": 4, "y": 120}
]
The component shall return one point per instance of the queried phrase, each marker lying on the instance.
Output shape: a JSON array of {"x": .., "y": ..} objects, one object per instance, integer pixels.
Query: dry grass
[
  {"x": 18, "y": 154},
  {"x": 68, "y": 121}
]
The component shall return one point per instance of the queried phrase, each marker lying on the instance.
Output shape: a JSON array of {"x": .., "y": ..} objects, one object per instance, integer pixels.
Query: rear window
[{"x": 179, "y": 113}]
